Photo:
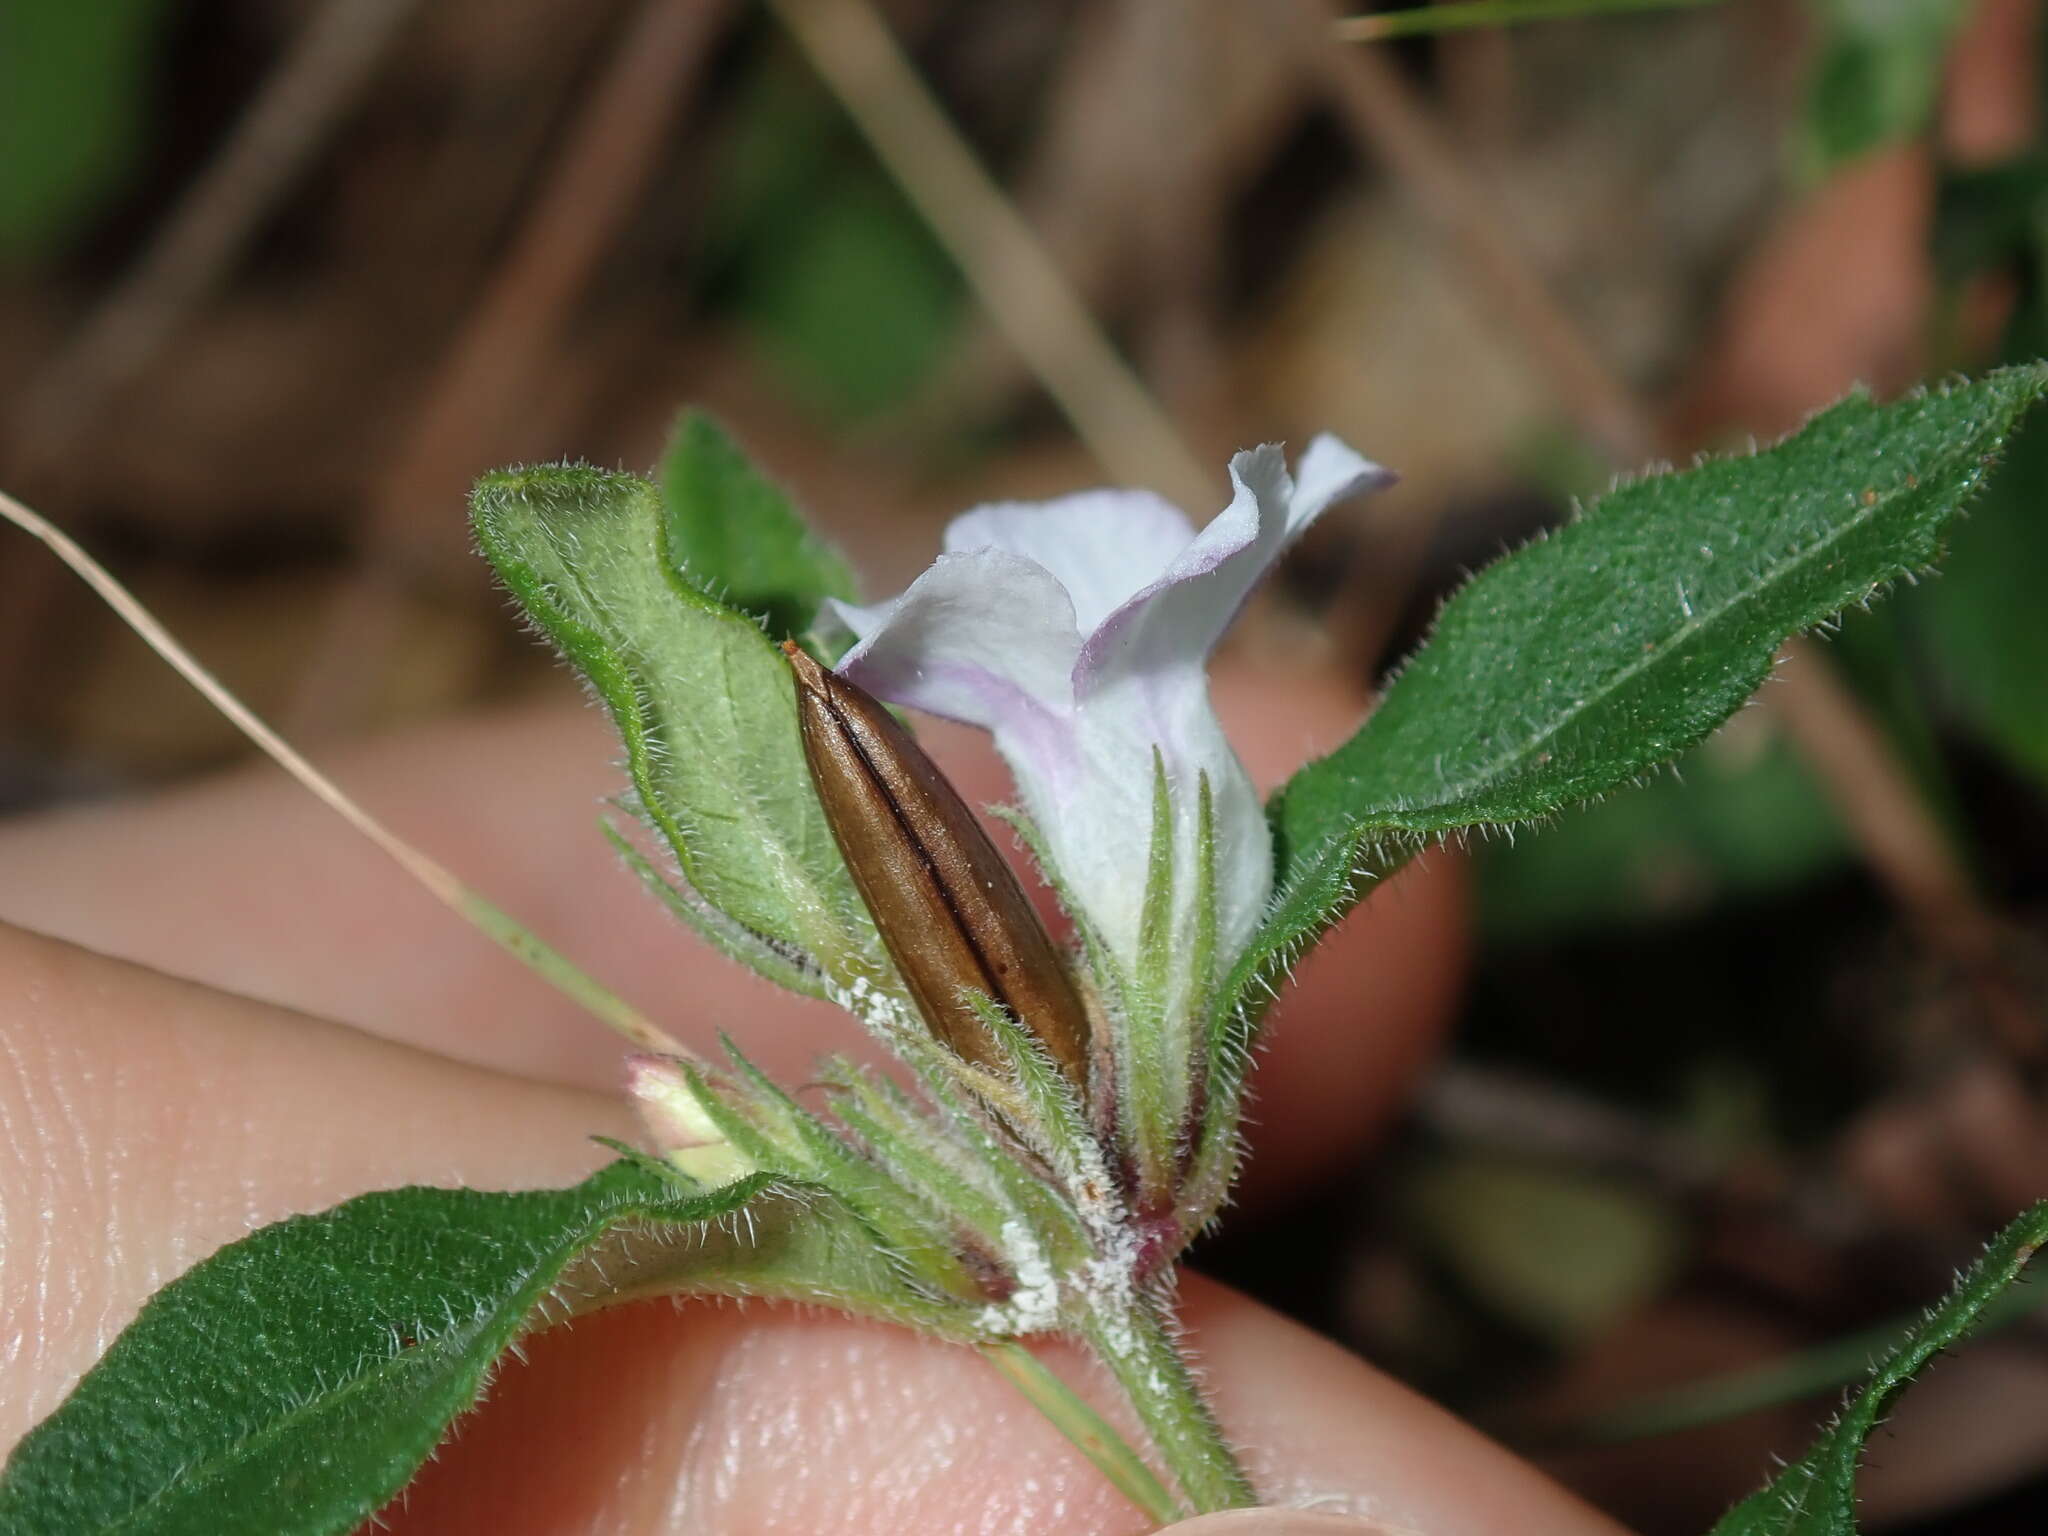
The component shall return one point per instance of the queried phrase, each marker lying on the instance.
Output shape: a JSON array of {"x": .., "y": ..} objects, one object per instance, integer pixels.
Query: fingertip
[{"x": 1281, "y": 1522}]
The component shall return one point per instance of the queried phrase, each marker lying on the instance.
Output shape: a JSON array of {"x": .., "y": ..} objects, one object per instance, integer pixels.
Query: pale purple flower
[{"x": 1078, "y": 632}]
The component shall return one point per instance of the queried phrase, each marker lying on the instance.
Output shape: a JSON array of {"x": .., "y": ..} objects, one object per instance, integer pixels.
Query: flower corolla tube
[{"x": 1077, "y": 632}]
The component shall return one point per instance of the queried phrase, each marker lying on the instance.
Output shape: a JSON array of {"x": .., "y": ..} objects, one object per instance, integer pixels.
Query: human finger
[
  {"x": 248, "y": 884},
  {"x": 156, "y": 1120},
  {"x": 711, "y": 1420}
]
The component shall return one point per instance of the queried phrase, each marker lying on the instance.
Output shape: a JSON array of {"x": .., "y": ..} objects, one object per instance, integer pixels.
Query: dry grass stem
[
  {"x": 495, "y": 362},
  {"x": 1003, "y": 260},
  {"x": 1389, "y": 122},
  {"x": 437, "y": 879},
  {"x": 300, "y": 104}
]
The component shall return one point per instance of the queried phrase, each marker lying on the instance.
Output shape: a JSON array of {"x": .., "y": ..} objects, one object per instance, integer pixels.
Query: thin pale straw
[{"x": 498, "y": 925}]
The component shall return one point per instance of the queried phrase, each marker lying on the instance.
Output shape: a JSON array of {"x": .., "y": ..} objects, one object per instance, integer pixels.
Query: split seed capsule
[{"x": 947, "y": 904}]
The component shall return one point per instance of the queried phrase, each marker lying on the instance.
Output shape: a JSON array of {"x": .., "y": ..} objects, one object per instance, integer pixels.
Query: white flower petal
[
  {"x": 1102, "y": 546},
  {"x": 1330, "y": 471},
  {"x": 983, "y": 637},
  {"x": 1102, "y": 840},
  {"x": 1177, "y": 620},
  {"x": 1078, "y": 632},
  {"x": 850, "y": 622}
]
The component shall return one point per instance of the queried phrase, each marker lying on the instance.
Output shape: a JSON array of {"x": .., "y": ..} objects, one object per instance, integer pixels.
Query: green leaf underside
[
  {"x": 704, "y": 703},
  {"x": 735, "y": 535},
  {"x": 1816, "y": 1495},
  {"x": 1586, "y": 659},
  {"x": 293, "y": 1381}
]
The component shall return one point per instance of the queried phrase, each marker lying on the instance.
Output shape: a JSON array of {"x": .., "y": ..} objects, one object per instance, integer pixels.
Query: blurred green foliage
[
  {"x": 1985, "y": 621},
  {"x": 73, "y": 103},
  {"x": 1876, "y": 71},
  {"x": 1740, "y": 815},
  {"x": 811, "y": 247},
  {"x": 1556, "y": 1252}
]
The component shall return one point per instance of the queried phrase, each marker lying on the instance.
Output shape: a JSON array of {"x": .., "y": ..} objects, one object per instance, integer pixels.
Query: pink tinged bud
[{"x": 677, "y": 1122}]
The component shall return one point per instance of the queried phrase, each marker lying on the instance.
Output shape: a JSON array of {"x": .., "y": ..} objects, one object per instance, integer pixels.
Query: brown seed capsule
[{"x": 947, "y": 904}]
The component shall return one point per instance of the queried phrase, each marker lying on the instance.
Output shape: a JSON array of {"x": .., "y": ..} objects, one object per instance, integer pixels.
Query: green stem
[
  {"x": 1138, "y": 1348},
  {"x": 1487, "y": 13},
  {"x": 1093, "y": 1435}
]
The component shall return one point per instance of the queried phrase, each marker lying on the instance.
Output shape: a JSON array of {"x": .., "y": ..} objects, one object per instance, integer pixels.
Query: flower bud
[
  {"x": 949, "y": 908},
  {"x": 683, "y": 1132}
]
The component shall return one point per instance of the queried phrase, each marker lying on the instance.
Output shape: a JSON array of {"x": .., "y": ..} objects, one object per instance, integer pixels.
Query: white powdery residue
[
  {"x": 1034, "y": 1307},
  {"x": 1113, "y": 1326},
  {"x": 1110, "y": 1282},
  {"x": 1091, "y": 1189},
  {"x": 885, "y": 1017}
]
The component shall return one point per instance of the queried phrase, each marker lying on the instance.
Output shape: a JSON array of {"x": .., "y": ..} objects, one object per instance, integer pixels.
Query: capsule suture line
[{"x": 949, "y": 907}]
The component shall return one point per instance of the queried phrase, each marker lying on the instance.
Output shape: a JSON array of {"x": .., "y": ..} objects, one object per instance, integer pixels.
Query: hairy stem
[{"x": 1136, "y": 1343}]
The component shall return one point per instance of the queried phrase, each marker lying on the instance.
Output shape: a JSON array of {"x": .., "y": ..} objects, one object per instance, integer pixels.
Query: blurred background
[{"x": 1751, "y": 1056}]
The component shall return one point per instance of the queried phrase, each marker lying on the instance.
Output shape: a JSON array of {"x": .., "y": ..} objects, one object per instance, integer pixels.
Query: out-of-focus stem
[
  {"x": 1004, "y": 262},
  {"x": 1899, "y": 836},
  {"x": 323, "y": 73},
  {"x": 1389, "y": 121},
  {"x": 1091, "y": 1434},
  {"x": 1422, "y": 20},
  {"x": 1894, "y": 829},
  {"x": 595, "y": 183}
]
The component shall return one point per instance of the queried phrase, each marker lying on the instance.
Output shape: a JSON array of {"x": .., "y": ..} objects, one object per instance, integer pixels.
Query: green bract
[
  {"x": 737, "y": 537},
  {"x": 1816, "y": 1495},
  {"x": 701, "y": 698}
]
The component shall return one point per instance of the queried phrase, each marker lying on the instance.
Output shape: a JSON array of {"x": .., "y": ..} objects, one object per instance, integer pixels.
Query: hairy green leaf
[
  {"x": 1586, "y": 659},
  {"x": 1816, "y": 1495},
  {"x": 734, "y": 534},
  {"x": 292, "y": 1382},
  {"x": 702, "y": 699},
  {"x": 1875, "y": 75}
]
